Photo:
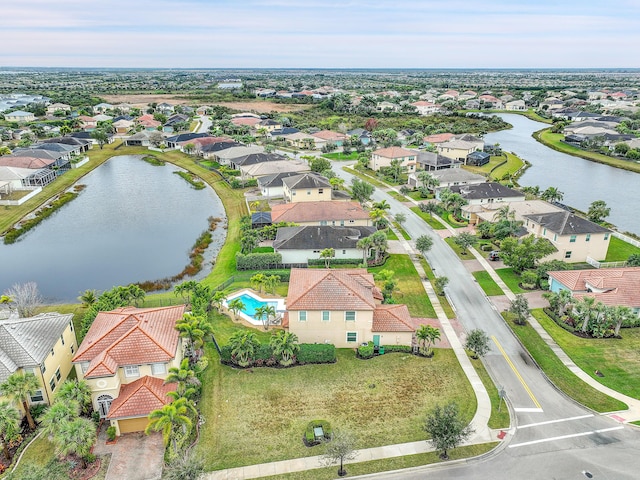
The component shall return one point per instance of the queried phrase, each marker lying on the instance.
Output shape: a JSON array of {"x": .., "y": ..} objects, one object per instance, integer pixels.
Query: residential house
[
  {"x": 610, "y": 286},
  {"x": 427, "y": 108},
  {"x": 61, "y": 160},
  {"x": 458, "y": 149},
  {"x": 481, "y": 194},
  {"x": 449, "y": 177},
  {"x": 306, "y": 187},
  {"x": 282, "y": 133},
  {"x": 82, "y": 143},
  {"x": 516, "y": 105},
  {"x": 271, "y": 185},
  {"x": 102, "y": 118},
  {"x": 58, "y": 107},
  {"x": 361, "y": 134},
  {"x": 491, "y": 102},
  {"x": 140, "y": 139},
  {"x": 478, "y": 158},
  {"x": 438, "y": 138},
  {"x": 175, "y": 140},
  {"x": 87, "y": 123},
  {"x": 268, "y": 124},
  {"x": 19, "y": 116},
  {"x": 102, "y": 107},
  {"x": 324, "y": 137},
  {"x": 248, "y": 121},
  {"x": 225, "y": 155},
  {"x": 87, "y": 136},
  {"x": 384, "y": 156},
  {"x": 343, "y": 307},
  {"x": 165, "y": 108},
  {"x": 335, "y": 213},
  {"x": 298, "y": 244},
  {"x": 199, "y": 143},
  {"x": 254, "y": 158},
  {"x": 123, "y": 126},
  {"x": 148, "y": 122},
  {"x": 574, "y": 237},
  {"x": 387, "y": 107},
  {"x": 17, "y": 178},
  {"x": 43, "y": 345},
  {"x": 302, "y": 140},
  {"x": 209, "y": 150},
  {"x": 173, "y": 120},
  {"x": 125, "y": 358},
  {"x": 258, "y": 170},
  {"x": 432, "y": 161}
]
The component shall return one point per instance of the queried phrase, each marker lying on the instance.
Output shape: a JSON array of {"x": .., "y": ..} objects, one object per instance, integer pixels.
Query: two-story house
[
  {"x": 43, "y": 345},
  {"x": 344, "y": 307},
  {"x": 384, "y": 156},
  {"x": 343, "y": 214},
  {"x": 125, "y": 357},
  {"x": 306, "y": 187}
]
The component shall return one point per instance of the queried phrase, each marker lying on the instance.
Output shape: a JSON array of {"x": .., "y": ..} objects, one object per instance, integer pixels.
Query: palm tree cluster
[
  {"x": 452, "y": 202},
  {"x": 427, "y": 336},
  {"x": 194, "y": 329},
  {"x": 245, "y": 345}
]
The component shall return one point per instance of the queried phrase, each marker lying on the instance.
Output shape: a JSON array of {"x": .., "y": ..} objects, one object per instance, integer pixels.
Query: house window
[
  {"x": 606, "y": 236},
  {"x": 326, "y": 316},
  {"x": 302, "y": 316},
  {"x": 342, "y": 223},
  {"x": 350, "y": 316},
  {"x": 43, "y": 368},
  {"x": 352, "y": 221},
  {"x": 84, "y": 366},
  {"x": 555, "y": 237},
  {"x": 131, "y": 371},
  {"x": 588, "y": 237},
  {"x": 37, "y": 396},
  {"x": 158, "y": 369},
  {"x": 572, "y": 239},
  {"x": 58, "y": 376},
  {"x": 544, "y": 232},
  {"x": 52, "y": 383},
  {"x": 567, "y": 254},
  {"x": 352, "y": 337},
  {"x": 323, "y": 222},
  {"x": 321, "y": 191},
  {"x": 62, "y": 339},
  {"x": 30, "y": 370},
  {"x": 72, "y": 349},
  {"x": 344, "y": 252},
  {"x": 71, "y": 326},
  {"x": 308, "y": 192},
  {"x": 52, "y": 352},
  {"x": 293, "y": 193}
]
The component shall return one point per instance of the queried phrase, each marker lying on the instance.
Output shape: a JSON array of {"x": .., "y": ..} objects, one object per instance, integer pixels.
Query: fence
[
  {"x": 626, "y": 238},
  {"x": 597, "y": 264}
]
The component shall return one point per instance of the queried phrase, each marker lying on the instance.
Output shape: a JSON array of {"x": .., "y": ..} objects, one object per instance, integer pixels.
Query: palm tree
[
  {"x": 427, "y": 335},
  {"x": 379, "y": 243},
  {"x": 260, "y": 314},
  {"x": 327, "y": 254},
  {"x": 185, "y": 289},
  {"x": 243, "y": 346},
  {"x": 428, "y": 180},
  {"x": 235, "y": 306},
  {"x": 377, "y": 215},
  {"x": 271, "y": 282},
  {"x": 76, "y": 436},
  {"x": 285, "y": 345},
  {"x": 620, "y": 315},
  {"x": 170, "y": 418},
  {"x": 20, "y": 387},
  {"x": 257, "y": 281},
  {"x": 552, "y": 194},
  {"x": 186, "y": 379},
  {"x": 585, "y": 309},
  {"x": 365, "y": 244},
  {"x": 382, "y": 205},
  {"x": 195, "y": 329},
  {"x": 429, "y": 207},
  {"x": 58, "y": 413},
  {"x": 4, "y": 150},
  {"x": 9, "y": 426},
  {"x": 504, "y": 213},
  {"x": 88, "y": 298},
  {"x": 75, "y": 390}
]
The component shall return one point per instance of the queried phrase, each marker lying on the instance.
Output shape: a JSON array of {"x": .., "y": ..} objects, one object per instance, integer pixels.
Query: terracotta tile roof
[
  {"x": 329, "y": 289},
  {"x": 329, "y": 135},
  {"x": 209, "y": 140},
  {"x": 439, "y": 137},
  {"x": 285, "y": 320},
  {"x": 250, "y": 121},
  {"x": 140, "y": 398},
  {"x": 611, "y": 286},
  {"x": 392, "y": 318},
  {"x": 318, "y": 211},
  {"x": 395, "y": 152},
  {"x": 32, "y": 163},
  {"x": 129, "y": 336}
]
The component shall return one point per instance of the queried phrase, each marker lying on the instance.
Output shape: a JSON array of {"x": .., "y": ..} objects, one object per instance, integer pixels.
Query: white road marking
[
  {"x": 556, "y": 421},
  {"x": 528, "y": 410},
  {"x": 562, "y": 437}
]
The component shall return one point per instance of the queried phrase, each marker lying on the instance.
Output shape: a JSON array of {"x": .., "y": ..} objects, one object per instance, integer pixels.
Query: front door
[
  {"x": 104, "y": 403},
  {"x": 376, "y": 340}
]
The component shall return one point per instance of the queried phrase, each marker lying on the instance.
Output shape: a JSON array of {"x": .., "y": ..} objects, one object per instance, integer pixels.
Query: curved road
[{"x": 553, "y": 437}]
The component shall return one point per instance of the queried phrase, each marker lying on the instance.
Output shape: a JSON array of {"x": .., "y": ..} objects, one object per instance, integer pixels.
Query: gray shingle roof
[
  {"x": 306, "y": 180},
  {"x": 486, "y": 190},
  {"x": 26, "y": 342},
  {"x": 566, "y": 223},
  {"x": 320, "y": 237},
  {"x": 275, "y": 180}
]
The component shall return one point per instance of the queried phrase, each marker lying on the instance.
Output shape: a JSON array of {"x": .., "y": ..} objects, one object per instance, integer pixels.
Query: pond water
[
  {"x": 581, "y": 181},
  {"x": 133, "y": 222}
]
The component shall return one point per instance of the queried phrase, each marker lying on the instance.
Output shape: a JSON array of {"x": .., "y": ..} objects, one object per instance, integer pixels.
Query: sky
[{"x": 321, "y": 34}]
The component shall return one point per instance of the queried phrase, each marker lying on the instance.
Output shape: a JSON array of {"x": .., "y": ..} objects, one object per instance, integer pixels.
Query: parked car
[{"x": 494, "y": 255}]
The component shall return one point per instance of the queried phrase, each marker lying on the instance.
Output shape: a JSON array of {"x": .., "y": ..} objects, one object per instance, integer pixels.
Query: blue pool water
[{"x": 251, "y": 304}]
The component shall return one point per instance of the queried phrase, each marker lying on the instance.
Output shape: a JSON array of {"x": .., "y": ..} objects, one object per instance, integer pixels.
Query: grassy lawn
[
  {"x": 487, "y": 283},
  {"x": 410, "y": 290},
  {"x": 553, "y": 140},
  {"x": 619, "y": 250},
  {"x": 39, "y": 454},
  {"x": 511, "y": 278},
  {"x": 514, "y": 163},
  {"x": 463, "y": 256},
  {"x": 398, "y": 196},
  {"x": 559, "y": 374},
  {"x": 431, "y": 221},
  {"x": 259, "y": 415},
  {"x": 373, "y": 466},
  {"x": 444, "y": 303},
  {"x": 341, "y": 156},
  {"x": 499, "y": 412},
  {"x": 416, "y": 195},
  {"x": 402, "y": 231},
  {"x": 367, "y": 178},
  {"x": 617, "y": 359},
  {"x": 391, "y": 235}
]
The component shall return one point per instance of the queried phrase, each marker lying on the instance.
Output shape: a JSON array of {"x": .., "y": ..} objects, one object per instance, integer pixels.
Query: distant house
[
  {"x": 87, "y": 136},
  {"x": 165, "y": 108},
  {"x": 299, "y": 244},
  {"x": 306, "y": 187},
  {"x": 438, "y": 138},
  {"x": 210, "y": 150},
  {"x": 17, "y": 178},
  {"x": 478, "y": 158},
  {"x": 257, "y": 170},
  {"x": 102, "y": 107},
  {"x": 254, "y": 158},
  {"x": 487, "y": 192},
  {"x": 175, "y": 140},
  {"x": 58, "y": 107},
  {"x": 269, "y": 125},
  {"x": 123, "y": 126},
  {"x": 19, "y": 116},
  {"x": 361, "y": 134},
  {"x": 458, "y": 149},
  {"x": 42, "y": 345},
  {"x": 226, "y": 155},
  {"x": 342, "y": 214},
  {"x": 148, "y": 122},
  {"x": 302, "y": 140},
  {"x": 427, "y": 108},
  {"x": 125, "y": 358},
  {"x": 384, "y": 156},
  {"x": 574, "y": 237},
  {"x": 450, "y": 177},
  {"x": 430, "y": 161},
  {"x": 516, "y": 105},
  {"x": 140, "y": 139},
  {"x": 324, "y": 137}
]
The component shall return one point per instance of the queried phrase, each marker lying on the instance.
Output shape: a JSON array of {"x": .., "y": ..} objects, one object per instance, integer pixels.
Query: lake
[
  {"x": 581, "y": 181},
  {"x": 133, "y": 222}
]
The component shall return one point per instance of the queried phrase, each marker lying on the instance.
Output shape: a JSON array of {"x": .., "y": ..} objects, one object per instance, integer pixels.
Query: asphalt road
[{"x": 552, "y": 436}]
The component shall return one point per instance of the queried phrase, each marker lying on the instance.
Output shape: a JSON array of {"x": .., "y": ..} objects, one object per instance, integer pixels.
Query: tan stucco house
[
  {"x": 125, "y": 357},
  {"x": 384, "y": 156},
  {"x": 306, "y": 187}
]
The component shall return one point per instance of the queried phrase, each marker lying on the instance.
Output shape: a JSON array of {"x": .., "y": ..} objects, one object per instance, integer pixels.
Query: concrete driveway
[{"x": 135, "y": 456}]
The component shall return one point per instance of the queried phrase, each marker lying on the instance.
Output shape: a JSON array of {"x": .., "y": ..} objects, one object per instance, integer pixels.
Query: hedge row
[
  {"x": 334, "y": 261},
  {"x": 257, "y": 261},
  {"x": 309, "y": 353},
  {"x": 235, "y": 183},
  {"x": 367, "y": 351}
]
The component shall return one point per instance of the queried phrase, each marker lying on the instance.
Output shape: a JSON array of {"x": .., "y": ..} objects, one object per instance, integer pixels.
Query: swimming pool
[{"x": 252, "y": 301}]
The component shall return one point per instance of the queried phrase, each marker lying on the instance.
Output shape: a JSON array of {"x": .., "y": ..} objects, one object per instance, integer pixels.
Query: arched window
[{"x": 104, "y": 403}]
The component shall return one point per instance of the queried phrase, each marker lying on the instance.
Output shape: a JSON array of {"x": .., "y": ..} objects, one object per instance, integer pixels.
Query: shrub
[
  {"x": 334, "y": 261},
  {"x": 225, "y": 354},
  {"x": 111, "y": 433},
  {"x": 90, "y": 458},
  {"x": 397, "y": 348},
  {"x": 257, "y": 261},
  {"x": 317, "y": 353},
  {"x": 529, "y": 279},
  {"x": 309, "y": 435},
  {"x": 366, "y": 351},
  {"x": 37, "y": 409}
]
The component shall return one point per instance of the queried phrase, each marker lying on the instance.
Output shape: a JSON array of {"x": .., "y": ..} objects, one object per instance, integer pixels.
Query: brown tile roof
[
  {"x": 395, "y": 152},
  {"x": 250, "y": 121},
  {"x": 25, "y": 162},
  {"x": 140, "y": 398},
  {"x": 439, "y": 137},
  {"x": 329, "y": 135},
  {"x": 209, "y": 140},
  {"x": 392, "y": 318},
  {"x": 317, "y": 211},
  {"x": 329, "y": 289},
  {"x": 129, "y": 336},
  {"x": 611, "y": 286}
]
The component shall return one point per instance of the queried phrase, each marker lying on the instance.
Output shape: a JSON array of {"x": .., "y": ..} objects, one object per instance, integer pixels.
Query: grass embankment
[
  {"x": 444, "y": 303},
  {"x": 488, "y": 285},
  {"x": 559, "y": 374},
  {"x": 511, "y": 278},
  {"x": 402, "y": 231},
  {"x": 397, "y": 463},
  {"x": 498, "y": 166},
  {"x": 499, "y": 410},
  {"x": 430, "y": 220},
  {"x": 191, "y": 179},
  {"x": 259, "y": 415},
  {"x": 391, "y": 235},
  {"x": 616, "y": 358},
  {"x": 619, "y": 250},
  {"x": 554, "y": 141},
  {"x": 462, "y": 255}
]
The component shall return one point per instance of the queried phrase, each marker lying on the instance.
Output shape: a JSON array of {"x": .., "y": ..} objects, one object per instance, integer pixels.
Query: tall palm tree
[
  {"x": 75, "y": 390},
  {"x": 327, "y": 254},
  {"x": 428, "y": 180},
  {"x": 285, "y": 345},
  {"x": 194, "y": 329},
  {"x": 585, "y": 309},
  {"x": 271, "y": 282},
  {"x": 76, "y": 436},
  {"x": 170, "y": 418},
  {"x": 552, "y": 194},
  {"x": 620, "y": 315},
  {"x": 504, "y": 213},
  {"x": 235, "y": 306},
  {"x": 9, "y": 426},
  {"x": 257, "y": 281},
  {"x": 56, "y": 414},
  {"x": 88, "y": 298},
  {"x": 379, "y": 243},
  {"x": 427, "y": 335},
  {"x": 186, "y": 379},
  {"x": 243, "y": 346},
  {"x": 217, "y": 299},
  {"x": 20, "y": 386},
  {"x": 365, "y": 244},
  {"x": 377, "y": 215},
  {"x": 382, "y": 205}
]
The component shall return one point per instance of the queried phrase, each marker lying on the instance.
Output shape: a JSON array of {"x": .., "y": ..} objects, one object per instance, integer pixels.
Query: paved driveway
[{"x": 135, "y": 456}]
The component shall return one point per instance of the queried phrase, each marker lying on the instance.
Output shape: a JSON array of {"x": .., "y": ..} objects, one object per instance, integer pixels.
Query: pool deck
[{"x": 280, "y": 308}]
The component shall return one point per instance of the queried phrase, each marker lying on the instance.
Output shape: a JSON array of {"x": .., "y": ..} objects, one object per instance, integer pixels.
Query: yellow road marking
[{"x": 515, "y": 370}]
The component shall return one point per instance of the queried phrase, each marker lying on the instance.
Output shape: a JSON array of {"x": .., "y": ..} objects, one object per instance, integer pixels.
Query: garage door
[{"x": 133, "y": 425}]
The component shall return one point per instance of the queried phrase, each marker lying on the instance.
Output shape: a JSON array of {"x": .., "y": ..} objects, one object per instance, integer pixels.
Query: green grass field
[
  {"x": 431, "y": 221},
  {"x": 488, "y": 285},
  {"x": 511, "y": 278},
  {"x": 619, "y": 250}
]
